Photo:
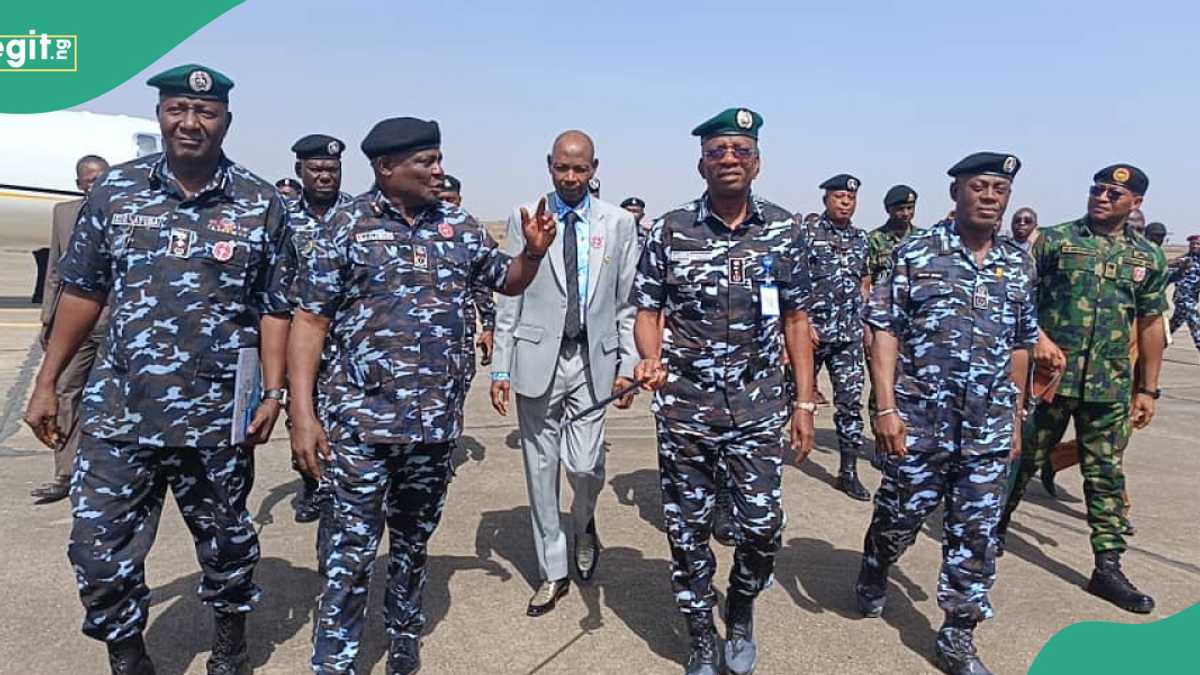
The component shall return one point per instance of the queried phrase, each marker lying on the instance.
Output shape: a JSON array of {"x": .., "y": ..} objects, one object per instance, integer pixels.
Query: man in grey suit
[
  {"x": 73, "y": 379},
  {"x": 564, "y": 344}
]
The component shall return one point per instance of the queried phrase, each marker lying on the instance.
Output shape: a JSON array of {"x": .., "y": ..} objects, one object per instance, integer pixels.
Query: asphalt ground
[{"x": 483, "y": 567}]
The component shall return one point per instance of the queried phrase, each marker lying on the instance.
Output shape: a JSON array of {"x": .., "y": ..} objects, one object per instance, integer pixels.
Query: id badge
[{"x": 768, "y": 297}]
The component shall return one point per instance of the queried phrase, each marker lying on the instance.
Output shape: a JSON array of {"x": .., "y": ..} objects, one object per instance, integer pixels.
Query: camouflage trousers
[
  {"x": 403, "y": 486},
  {"x": 1101, "y": 433},
  {"x": 972, "y": 489},
  {"x": 1186, "y": 312},
  {"x": 845, "y": 363},
  {"x": 689, "y": 457},
  {"x": 117, "y": 495}
]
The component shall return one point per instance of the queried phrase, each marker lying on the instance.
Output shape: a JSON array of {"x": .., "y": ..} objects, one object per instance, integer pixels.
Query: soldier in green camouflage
[
  {"x": 900, "y": 202},
  {"x": 1097, "y": 279}
]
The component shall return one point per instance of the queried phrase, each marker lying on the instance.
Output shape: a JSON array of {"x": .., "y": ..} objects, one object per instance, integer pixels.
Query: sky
[{"x": 891, "y": 92}]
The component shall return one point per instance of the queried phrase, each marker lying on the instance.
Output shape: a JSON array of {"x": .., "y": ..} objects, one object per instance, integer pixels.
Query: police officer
[
  {"x": 482, "y": 304},
  {"x": 637, "y": 207},
  {"x": 837, "y": 257},
  {"x": 319, "y": 168},
  {"x": 955, "y": 316},
  {"x": 729, "y": 274},
  {"x": 390, "y": 282},
  {"x": 185, "y": 247},
  {"x": 289, "y": 188},
  {"x": 1156, "y": 232},
  {"x": 900, "y": 203},
  {"x": 1097, "y": 277},
  {"x": 1185, "y": 274}
]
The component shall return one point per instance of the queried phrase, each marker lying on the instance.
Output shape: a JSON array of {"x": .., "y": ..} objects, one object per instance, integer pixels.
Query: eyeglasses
[
  {"x": 1113, "y": 193},
  {"x": 714, "y": 154}
]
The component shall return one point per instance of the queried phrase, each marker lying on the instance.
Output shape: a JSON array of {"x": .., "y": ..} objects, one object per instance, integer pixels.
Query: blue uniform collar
[
  {"x": 704, "y": 210},
  {"x": 951, "y": 242},
  {"x": 160, "y": 176}
]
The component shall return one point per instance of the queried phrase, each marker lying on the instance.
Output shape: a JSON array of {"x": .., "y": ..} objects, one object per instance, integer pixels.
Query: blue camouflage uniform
[
  {"x": 1187, "y": 288},
  {"x": 396, "y": 294},
  {"x": 724, "y": 400},
  {"x": 957, "y": 324},
  {"x": 837, "y": 260},
  {"x": 187, "y": 279}
]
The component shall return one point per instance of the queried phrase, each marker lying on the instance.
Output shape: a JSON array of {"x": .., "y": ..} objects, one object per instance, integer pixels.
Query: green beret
[
  {"x": 842, "y": 181},
  {"x": 1126, "y": 175},
  {"x": 899, "y": 194},
  {"x": 451, "y": 184},
  {"x": 731, "y": 122},
  {"x": 318, "y": 146},
  {"x": 401, "y": 135},
  {"x": 193, "y": 81},
  {"x": 990, "y": 163}
]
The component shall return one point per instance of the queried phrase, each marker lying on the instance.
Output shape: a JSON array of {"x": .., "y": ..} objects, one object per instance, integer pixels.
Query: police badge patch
[
  {"x": 200, "y": 81},
  {"x": 181, "y": 242},
  {"x": 420, "y": 258}
]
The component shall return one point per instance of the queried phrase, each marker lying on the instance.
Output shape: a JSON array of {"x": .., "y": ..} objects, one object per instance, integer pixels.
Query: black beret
[
  {"x": 633, "y": 201},
  {"x": 318, "y": 146},
  {"x": 730, "y": 122},
  {"x": 842, "y": 181},
  {"x": 990, "y": 163},
  {"x": 1156, "y": 228},
  {"x": 289, "y": 182},
  {"x": 451, "y": 184},
  {"x": 194, "y": 81},
  {"x": 1125, "y": 175},
  {"x": 401, "y": 134},
  {"x": 899, "y": 194}
]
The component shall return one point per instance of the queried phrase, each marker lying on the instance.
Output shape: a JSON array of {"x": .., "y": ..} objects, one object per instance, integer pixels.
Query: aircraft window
[{"x": 147, "y": 144}]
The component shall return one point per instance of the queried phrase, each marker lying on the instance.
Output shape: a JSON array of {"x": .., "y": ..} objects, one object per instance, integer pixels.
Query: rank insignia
[
  {"x": 181, "y": 242},
  {"x": 981, "y": 297},
  {"x": 737, "y": 271},
  {"x": 1110, "y": 270},
  {"x": 420, "y": 258},
  {"x": 223, "y": 250}
]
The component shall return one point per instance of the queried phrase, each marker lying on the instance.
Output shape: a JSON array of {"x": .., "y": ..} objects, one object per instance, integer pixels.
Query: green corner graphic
[
  {"x": 55, "y": 55},
  {"x": 1171, "y": 645}
]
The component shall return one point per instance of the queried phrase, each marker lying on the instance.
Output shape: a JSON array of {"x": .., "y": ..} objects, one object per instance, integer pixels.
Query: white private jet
[{"x": 37, "y": 166}]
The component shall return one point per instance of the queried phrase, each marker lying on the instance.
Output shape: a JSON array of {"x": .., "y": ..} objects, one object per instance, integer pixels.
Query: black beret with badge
[
  {"x": 730, "y": 122},
  {"x": 318, "y": 146},
  {"x": 194, "y": 81},
  {"x": 401, "y": 135},
  {"x": 842, "y": 181},
  {"x": 898, "y": 195},
  {"x": 986, "y": 163},
  {"x": 1125, "y": 175},
  {"x": 451, "y": 184},
  {"x": 633, "y": 201}
]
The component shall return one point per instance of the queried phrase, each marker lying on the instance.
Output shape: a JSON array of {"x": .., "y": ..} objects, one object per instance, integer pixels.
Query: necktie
[{"x": 571, "y": 328}]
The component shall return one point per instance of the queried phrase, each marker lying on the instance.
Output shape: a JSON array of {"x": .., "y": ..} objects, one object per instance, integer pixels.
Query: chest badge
[
  {"x": 1139, "y": 273},
  {"x": 181, "y": 242},
  {"x": 446, "y": 231},
  {"x": 223, "y": 251},
  {"x": 737, "y": 271},
  {"x": 597, "y": 242},
  {"x": 421, "y": 258},
  {"x": 981, "y": 297},
  {"x": 1110, "y": 270}
]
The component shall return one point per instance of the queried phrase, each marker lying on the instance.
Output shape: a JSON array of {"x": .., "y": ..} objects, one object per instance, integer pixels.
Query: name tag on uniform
[
  {"x": 420, "y": 258},
  {"x": 181, "y": 242},
  {"x": 374, "y": 235},
  {"x": 768, "y": 298}
]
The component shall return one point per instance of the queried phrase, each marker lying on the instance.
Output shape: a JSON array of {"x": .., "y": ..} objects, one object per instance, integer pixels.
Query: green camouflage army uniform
[
  {"x": 880, "y": 244},
  {"x": 1091, "y": 289}
]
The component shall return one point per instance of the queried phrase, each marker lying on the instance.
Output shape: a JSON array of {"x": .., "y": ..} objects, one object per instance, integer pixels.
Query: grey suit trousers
[
  {"x": 546, "y": 441},
  {"x": 70, "y": 396}
]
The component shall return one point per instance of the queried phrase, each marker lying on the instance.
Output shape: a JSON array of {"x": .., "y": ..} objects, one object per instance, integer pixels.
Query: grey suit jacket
[
  {"x": 529, "y": 327},
  {"x": 62, "y": 227}
]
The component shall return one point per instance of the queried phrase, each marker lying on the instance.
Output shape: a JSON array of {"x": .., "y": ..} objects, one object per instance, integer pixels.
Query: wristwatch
[
  {"x": 1152, "y": 393},
  {"x": 807, "y": 406},
  {"x": 280, "y": 395}
]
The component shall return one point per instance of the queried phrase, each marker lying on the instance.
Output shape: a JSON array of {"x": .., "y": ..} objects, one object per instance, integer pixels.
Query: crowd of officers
[{"x": 364, "y": 309}]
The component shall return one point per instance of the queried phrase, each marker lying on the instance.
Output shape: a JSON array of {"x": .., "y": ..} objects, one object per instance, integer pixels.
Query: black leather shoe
[
  {"x": 404, "y": 656},
  {"x": 955, "y": 652},
  {"x": 229, "y": 645},
  {"x": 1110, "y": 583},
  {"x": 704, "y": 658},
  {"x": 587, "y": 552},
  {"x": 848, "y": 482},
  {"x": 870, "y": 591},
  {"x": 128, "y": 657},
  {"x": 741, "y": 653},
  {"x": 307, "y": 508},
  {"x": 51, "y": 492},
  {"x": 546, "y": 597}
]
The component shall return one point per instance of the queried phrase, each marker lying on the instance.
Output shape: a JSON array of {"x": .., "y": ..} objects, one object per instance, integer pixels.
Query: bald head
[{"x": 572, "y": 163}]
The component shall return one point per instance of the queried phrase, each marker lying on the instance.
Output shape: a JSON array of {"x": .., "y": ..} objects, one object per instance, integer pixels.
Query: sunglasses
[
  {"x": 1113, "y": 193},
  {"x": 714, "y": 154}
]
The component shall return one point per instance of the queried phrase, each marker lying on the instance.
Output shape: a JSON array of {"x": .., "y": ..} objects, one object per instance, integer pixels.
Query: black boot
[
  {"x": 307, "y": 507},
  {"x": 847, "y": 479},
  {"x": 229, "y": 645},
  {"x": 128, "y": 657},
  {"x": 870, "y": 591},
  {"x": 723, "y": 530},
  {"x": 1048, "y": 480},
  {"x": 955, "y": 649},
  {"x": 741, "y": 654},
  {"x": 1110, "y": 583},
  {"x": 703, "y": 659},
  {"x": 404, "y": 657}
]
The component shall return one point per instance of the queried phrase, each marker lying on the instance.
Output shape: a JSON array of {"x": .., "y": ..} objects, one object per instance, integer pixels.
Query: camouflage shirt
[
  {"x": 837, "y": 260},
  {"x": 1186, "y": 276},
  {"x": 1091, "y": 289},
  {"x": 187, "y": 280},
  {"x": 724, "y": 357},
  {"x": 880, "y": 244},
  {"x": 396, "y": 294},
  {"x": 957, "y": 323}
]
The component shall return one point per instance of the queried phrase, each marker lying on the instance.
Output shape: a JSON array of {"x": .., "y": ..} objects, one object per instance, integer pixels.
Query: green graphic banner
[
  {"x": 1097, "y": 648},
  {"x": 54, "y": 55}
]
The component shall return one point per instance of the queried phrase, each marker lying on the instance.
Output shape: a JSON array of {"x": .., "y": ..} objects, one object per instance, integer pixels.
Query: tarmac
[{"x": 483, "y": 567}]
